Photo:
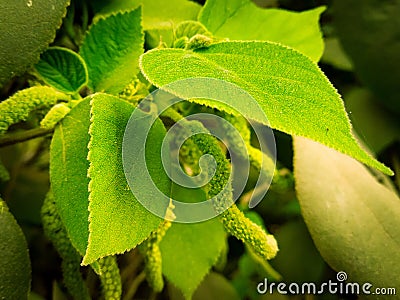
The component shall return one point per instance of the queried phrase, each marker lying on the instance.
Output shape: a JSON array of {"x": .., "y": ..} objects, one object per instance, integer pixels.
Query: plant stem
[
  {"x": 134, "y": 286},
  {"x": 11, "y": 139}
]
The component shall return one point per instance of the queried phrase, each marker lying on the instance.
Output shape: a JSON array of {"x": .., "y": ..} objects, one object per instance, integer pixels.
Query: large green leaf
[
  {"x": 26, "y": 31},
  {"x": 15, "y": 266},
  {"x": 353, "y": 219},
  {"x": 68, "y": 173},
  {"x": 243, "y": 20},
  {"x": 190, "y": 250},
  {"x": 63, "y": 69},
  {"x": 293, "y": 92},
  {"x": 118, "y": 222},
  {"x": 111, "y": 49}
]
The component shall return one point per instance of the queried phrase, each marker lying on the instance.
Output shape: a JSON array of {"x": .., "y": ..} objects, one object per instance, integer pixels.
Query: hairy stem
[{"x": 19, "y": 137}]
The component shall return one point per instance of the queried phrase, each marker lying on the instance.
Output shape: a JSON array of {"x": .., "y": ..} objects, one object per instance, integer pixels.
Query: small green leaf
[
  {"x": 157, "y": 13},
  {"x": 111, "y": 49},
  {"x": 185, "y": 31},
  {"x": 243, "y": 20},
  {"x": 15, "y": 266},
  {"x": 68, "y": 173},
  {"x": 63, "y": 69},
  {"x": 190, "y": 250},
  {"x": 293, "y": 92},
  {"x": 214, "y": 286},
  {"x": 118, "y": 222},
  {"x": 353, "y": 219},
  {"x": 25, "y": 32},
  {"x": 159, "y": 16},
  {"x": 189, "y": 29}
]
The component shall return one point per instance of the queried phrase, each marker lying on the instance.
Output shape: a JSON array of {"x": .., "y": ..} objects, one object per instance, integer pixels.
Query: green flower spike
[
  {"x": 55, "y": 231},
  {"x": 18, "y": 107}
]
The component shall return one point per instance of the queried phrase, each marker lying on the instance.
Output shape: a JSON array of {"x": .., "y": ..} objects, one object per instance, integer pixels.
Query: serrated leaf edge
[
  {"x": 371, "y": 162},
  {"x": 86, "y": 258}
]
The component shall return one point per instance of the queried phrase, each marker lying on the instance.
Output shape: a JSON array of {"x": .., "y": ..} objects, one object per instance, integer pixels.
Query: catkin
[
  {"x": 55, "y": 115},
  {"x": 110, "y": 278},
  {"x": 56, "y": 232},
  {"x": 153, "y": 261},
  {"x": 18, "y": 107},
  {"x": 282, "y": 179},
  {"x": 219, "y": 188}
]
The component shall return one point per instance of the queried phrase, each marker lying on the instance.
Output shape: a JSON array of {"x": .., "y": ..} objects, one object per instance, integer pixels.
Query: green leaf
[
  {"x": 15, "y": 266},
  {"x": 353, "y": 219},
  {"x": 293, "y": 92},
  {"x": 25, "y": 32},
  {"x": 190, "y": 250},
  {"x": 111, "y": 49},
  {"x": 214, "y": 286},
  {"x": 157, "y": 13},
  {"x": 159, "y": 16},
  {"x": 189, "y": 29},
  {"x": 68, "y": 173},
  {"x": 63, "y": 69},
  {"x": 118, "y": 222},
  {"x": 243, "y": 20}
]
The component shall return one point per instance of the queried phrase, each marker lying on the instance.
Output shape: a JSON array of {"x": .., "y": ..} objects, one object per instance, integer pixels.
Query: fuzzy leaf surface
[
  {"x": 295, "y": 95},
  {"x": 353, "y": 222},
  {"x": 25, "y": 32},
  {"x": 68, "y": 173},
  {"x": 118, "y": 222},
  {"x": 111, "y": 49}
]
